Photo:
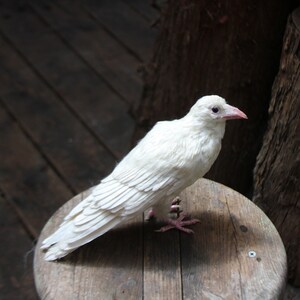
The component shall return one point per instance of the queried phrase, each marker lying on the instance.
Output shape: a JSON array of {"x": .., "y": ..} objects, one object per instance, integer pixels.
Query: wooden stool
[{"x": 235, "y": 253}]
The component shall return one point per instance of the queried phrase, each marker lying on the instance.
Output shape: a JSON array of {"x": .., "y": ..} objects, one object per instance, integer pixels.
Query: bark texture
[
  {"x": 276, "y": 176},
  {"x": 230, "y": 48}
]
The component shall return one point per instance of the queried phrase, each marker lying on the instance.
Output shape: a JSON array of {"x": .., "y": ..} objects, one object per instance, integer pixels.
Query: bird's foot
[{"x": 179, "y": 224}]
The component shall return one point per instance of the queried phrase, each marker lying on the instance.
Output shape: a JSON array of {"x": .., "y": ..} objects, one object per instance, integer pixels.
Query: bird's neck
[{"x": 214, "y": 129}]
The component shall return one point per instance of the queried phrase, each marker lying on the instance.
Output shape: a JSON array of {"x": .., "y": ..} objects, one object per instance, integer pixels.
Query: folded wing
[{"x": 119, "y": 197}]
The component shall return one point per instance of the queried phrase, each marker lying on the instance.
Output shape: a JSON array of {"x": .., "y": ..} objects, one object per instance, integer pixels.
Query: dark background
[
  {"x": 68, "y": 77},
  {"x": 71, "y": 98}
]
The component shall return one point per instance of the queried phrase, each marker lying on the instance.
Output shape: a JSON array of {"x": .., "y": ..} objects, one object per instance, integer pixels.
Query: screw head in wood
[{"x": 252, "y": 253}]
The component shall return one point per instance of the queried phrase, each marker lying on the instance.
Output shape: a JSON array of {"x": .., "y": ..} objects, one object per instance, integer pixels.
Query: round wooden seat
[{"x": 234, "y": 253}]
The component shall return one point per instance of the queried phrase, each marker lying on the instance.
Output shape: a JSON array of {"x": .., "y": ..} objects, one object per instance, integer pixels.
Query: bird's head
[{"x": 215, "y": 109}]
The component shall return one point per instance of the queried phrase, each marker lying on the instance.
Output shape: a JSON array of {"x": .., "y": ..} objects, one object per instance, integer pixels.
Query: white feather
[{"x": 172, "y": 156}]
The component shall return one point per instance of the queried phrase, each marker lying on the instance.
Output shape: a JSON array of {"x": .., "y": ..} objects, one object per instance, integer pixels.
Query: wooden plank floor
[{"x": 68, "y": 76}]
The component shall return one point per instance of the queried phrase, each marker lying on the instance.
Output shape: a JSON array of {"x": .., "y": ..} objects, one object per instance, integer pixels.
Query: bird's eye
[{"x": 215, "y": 109}]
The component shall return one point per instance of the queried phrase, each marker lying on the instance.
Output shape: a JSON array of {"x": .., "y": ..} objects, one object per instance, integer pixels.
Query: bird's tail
[{"x": 76, "y": 231}]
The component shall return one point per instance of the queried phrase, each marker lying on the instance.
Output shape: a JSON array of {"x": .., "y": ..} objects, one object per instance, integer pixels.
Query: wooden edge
[{"x": 278, "y": 291}]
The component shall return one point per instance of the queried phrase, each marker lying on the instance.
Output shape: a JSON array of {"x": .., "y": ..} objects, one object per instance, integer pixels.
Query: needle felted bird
[{"x": 172, "y": 156}]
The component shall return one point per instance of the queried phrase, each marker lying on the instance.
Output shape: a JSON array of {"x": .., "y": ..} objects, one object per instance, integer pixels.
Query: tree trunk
[
  {"x": 230, "y": 48},
  {"x": 276, "y": 176}
]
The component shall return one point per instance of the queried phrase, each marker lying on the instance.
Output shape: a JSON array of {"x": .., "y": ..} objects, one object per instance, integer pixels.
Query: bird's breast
[{"x": 200, "y": 155}]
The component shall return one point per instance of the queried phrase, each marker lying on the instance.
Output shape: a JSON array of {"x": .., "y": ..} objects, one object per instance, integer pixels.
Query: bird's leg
[
  {"x": 176, "y": 201},
  {"x": 179, "y": 224},
  {"x": 174, "y": 209},
  {"x": 150, "y": 215},
  {"x": 175, "y": 206},
  {"x": 182, "y": 220}
]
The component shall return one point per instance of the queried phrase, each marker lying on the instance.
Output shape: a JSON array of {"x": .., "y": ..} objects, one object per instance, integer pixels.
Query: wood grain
[
  {"x": 276, "y": 174},
  {"x": 145, "y": 9},
  {"x": 127, "y": 26},
  {"x": 62, "y": 124},
  {"x": 215, "y": 260},
  {"x": 101, "y": 51},
  {"x": 107, "y": 268},
  {"x": 75, "y": 84},
  {"x": 162, "y": 270},
  {"x": 27, "y": 181},
  {"x": 75, "y": 153},
  {"x": 213, "y": 263},
  {"x": 19, "y": 285},
  {"x": 31, "y": 192}
]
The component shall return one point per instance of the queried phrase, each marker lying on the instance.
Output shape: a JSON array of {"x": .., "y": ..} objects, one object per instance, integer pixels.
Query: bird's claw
[{"x": 179, "y": 224}]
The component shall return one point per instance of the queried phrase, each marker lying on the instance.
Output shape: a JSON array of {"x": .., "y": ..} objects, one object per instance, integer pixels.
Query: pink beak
[{"x": 232, "y": 112}]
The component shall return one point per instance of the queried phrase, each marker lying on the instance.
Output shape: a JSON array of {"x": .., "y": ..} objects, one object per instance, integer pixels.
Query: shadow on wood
[{"x": 234, "y": 253}]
